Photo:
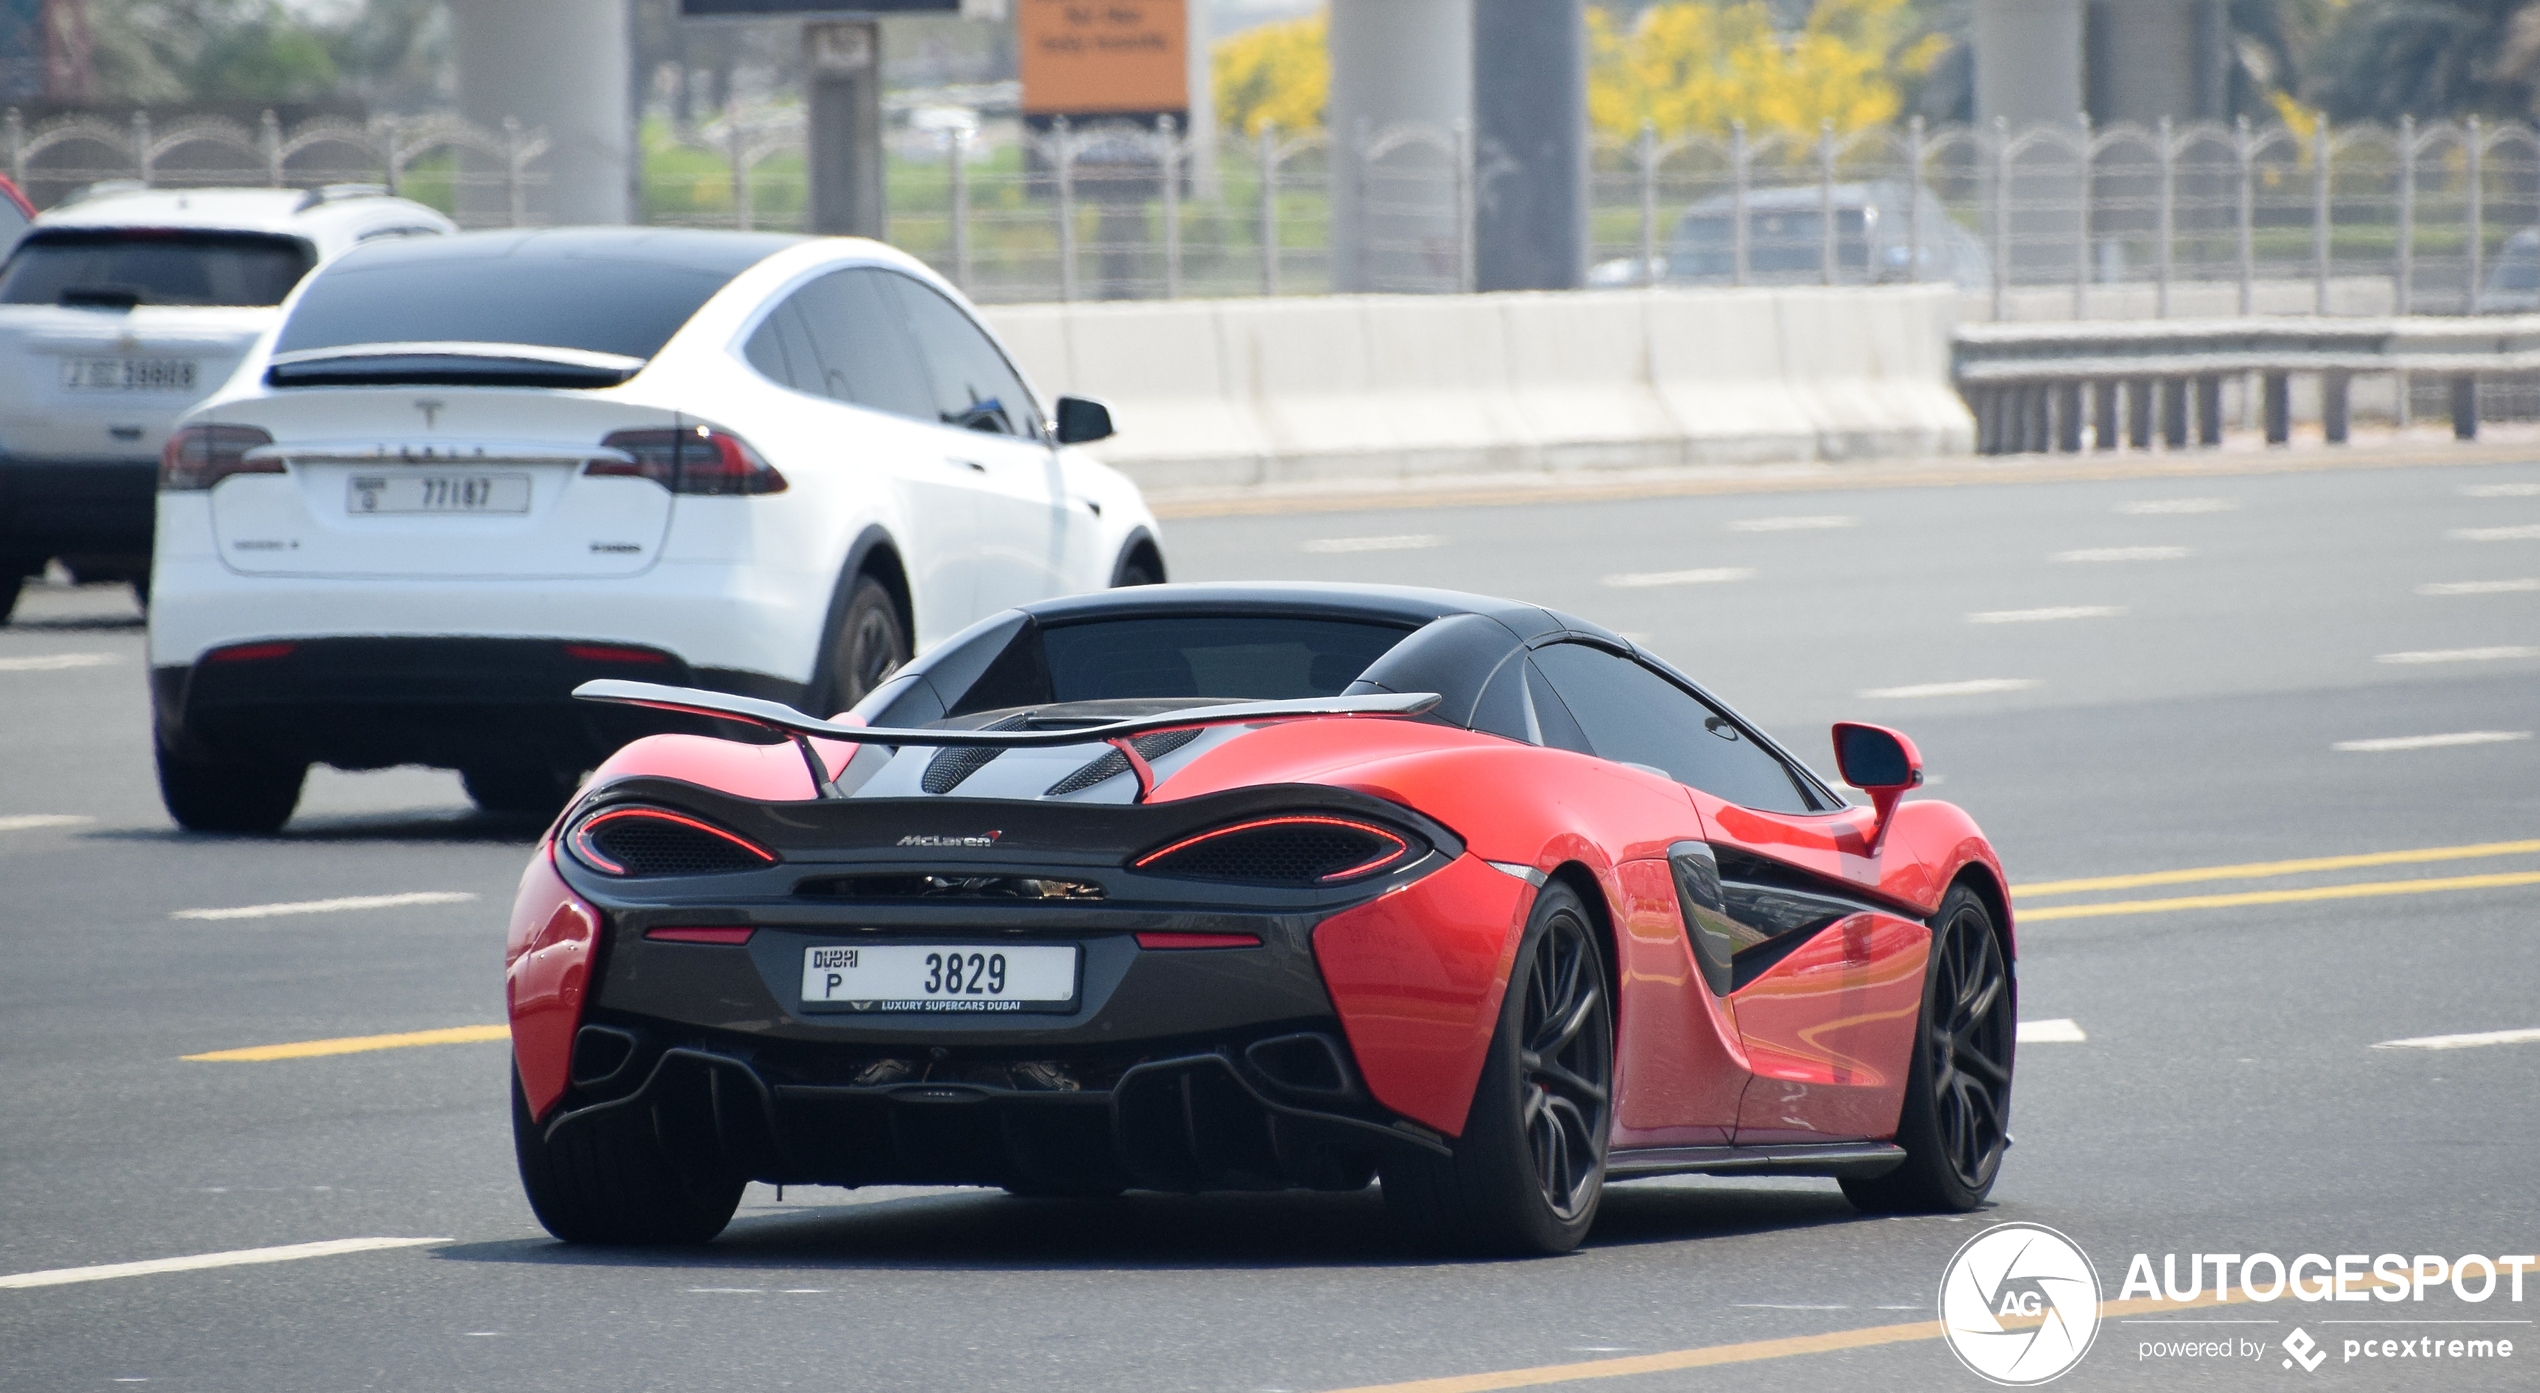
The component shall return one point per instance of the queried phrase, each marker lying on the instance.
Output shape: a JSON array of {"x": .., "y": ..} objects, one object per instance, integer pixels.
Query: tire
[
  {"x": 10, "y": 584},
  {"x": 518, "y": 790},
  {"x": 871, "y": 644},
  {"x": 209, "y": 796},
  {"x": 1141, "y": 567},
  {"x": 1957, "y": 1116},
  {"x": 1529, "y": 1170},
  {"x": 612, "y": 1182}
]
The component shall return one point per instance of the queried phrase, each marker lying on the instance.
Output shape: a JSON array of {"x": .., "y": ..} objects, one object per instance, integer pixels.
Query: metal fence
[
  {"x": 480, "y": 177},
  {"x": 2044, "y": 221}
]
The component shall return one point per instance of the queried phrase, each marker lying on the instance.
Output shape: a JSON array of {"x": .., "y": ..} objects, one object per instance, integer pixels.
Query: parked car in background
[
  {"x": 121, "y": 307},
  {"x": 2513, "y": 281},
  {"x": 1875, "y": 242},
  {"x": 15, "y": 213},
  {"x": 470, "y": 473}
]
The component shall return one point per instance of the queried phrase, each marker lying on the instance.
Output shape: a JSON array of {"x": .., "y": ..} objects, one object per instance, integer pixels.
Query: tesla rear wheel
[
  {"x": 520, "y": 790},
  {"x": 611, "y": 1181},
  {"x": 1957, "y": 1116},
  {"x": 210, "y": 796},
  {"x": 871, "y": 645},
  {"x": 1529, "y": 1170},
  {"x": 10, "y": 585}
]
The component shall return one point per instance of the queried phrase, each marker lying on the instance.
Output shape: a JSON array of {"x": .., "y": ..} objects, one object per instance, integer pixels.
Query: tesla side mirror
[
  {"x": 1082, "y": 420},
  {"x": 1881, "y": 763}
]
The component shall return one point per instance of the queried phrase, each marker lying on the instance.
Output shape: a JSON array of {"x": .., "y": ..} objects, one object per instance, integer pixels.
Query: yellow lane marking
[
  {"x": 2365, "y": 890},
  {"x": 1747, "y": 1353},
  {"x": 2255, "y": 870},
  {"x": 356, "y": 1044}
]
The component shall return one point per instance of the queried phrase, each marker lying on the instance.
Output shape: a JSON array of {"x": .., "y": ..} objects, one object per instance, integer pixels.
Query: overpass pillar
[
  {"x": 1395, "y": 61},
  {"x": 1530, "y": 144},
  {"x": 562, "y": 65}
]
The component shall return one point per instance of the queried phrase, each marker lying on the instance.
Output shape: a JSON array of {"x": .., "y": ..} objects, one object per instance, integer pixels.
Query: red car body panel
[
  {"x": 1679, "y": 1066},
  {"x": 1828, "y": 1031},
  {"x": 1418, "y": 977},
  {"x": 546, "y": 975}
]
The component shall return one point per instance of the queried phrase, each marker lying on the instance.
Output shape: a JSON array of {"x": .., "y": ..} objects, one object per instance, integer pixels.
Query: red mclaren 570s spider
[{"x": 1243, "y": 887}]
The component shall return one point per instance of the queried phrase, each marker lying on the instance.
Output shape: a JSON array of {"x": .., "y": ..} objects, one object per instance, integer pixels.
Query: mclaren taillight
[
  {"x": 688, "y": 459},
  {"x": 642, "y": 841},
  {"x": 198, "y": 457},
  {"x": 1300, "y": 849}
]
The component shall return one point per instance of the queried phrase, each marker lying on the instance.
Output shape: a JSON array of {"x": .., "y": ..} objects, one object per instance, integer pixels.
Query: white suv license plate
[
  {"x": 941, "y": 977},
  {"x": 128, "y": 374},
  {"x": 366, "y": 494}
]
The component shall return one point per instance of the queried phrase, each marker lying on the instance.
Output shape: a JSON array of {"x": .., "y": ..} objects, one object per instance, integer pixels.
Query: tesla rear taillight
[
  {"x": 198, "y": 457},
  {"x": 688, "y": 459},
  {"x": 656, "y": 842},
  {"x": 1303, "y": 849},
  {"x": 251, "y": 652}
]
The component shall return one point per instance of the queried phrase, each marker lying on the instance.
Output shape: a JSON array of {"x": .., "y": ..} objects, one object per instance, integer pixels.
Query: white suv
[
  {"x": 472, "y": 472},
  {"x": 120, "y": 308}
]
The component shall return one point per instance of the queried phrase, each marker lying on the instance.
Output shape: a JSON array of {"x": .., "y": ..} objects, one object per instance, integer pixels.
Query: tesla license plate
[
  {"x": 437, "y": 493},
  {"x": 128, "y": 374},
  {"x": 941, "y": 977}
]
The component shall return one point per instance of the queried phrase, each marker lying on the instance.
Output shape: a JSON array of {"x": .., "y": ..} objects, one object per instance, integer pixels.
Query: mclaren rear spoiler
[{"x": 797, "y": 727}]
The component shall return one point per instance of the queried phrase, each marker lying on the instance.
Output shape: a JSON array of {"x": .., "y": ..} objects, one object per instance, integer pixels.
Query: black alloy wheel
[
  {"x": 1956, "y": 1122},
  {"x": 615, "y": 1180},
  {"x": 1529, "y": 1169},
  {"x": 872, "y": 643},
  {"x": 1566, "y": 1068}
]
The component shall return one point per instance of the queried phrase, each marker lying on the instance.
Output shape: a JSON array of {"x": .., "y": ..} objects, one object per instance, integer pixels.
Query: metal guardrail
[{"x": 2041, "y": 387}]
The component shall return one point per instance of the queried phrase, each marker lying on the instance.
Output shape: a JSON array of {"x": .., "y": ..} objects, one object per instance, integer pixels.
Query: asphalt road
[{"x": 2114, "y": 677}]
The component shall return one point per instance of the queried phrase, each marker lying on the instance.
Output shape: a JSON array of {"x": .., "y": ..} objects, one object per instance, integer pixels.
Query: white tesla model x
[{"x": 468, "y": 473}]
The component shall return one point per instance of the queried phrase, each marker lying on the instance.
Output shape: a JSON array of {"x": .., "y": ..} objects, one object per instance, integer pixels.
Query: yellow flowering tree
[
  {"x": 1278, "y": 73},
  {"x": 1697, "y": 65}
]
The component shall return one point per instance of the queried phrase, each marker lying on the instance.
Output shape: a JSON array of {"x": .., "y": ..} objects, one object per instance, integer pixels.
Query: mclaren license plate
[
  {"x": 437, "y": 493},
  {"x": 941, "y": 977}
]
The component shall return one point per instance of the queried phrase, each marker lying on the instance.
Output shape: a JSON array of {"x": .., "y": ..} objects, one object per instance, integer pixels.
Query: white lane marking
[
  {"x": 2527, "y": 532},
  {"x": 2460, "y": 655},
  {"x": 2429, "y": 742},
  {"x": 2063, "y": 1030},
  {"x": 1780, "y": 1306},
  {"x": 28, "y": 822},
  {"x": 2500, "y": 490},
  {"x": 268, "y": 911},
  {"x": 1707, "y": 575},
  {"x": 1822, "y": 522},
  {"x": 289, "y": 1252},
  {"x": 56, "y": 662},
  {"x": 2122, "y": 554},
  {"x": 1973, "y": 687},
  {"x": 727, "y": 1291},
  {"x": 2166, "y": 507},
  {"x": 2463, "y": 1042},
  {"x": 2479, "y": 587},
  {"x": 2049, "y": 613},
  {"x": 1408, "y": 541}
]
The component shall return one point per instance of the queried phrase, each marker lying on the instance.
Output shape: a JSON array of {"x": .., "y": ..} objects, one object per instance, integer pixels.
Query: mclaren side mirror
[
  {"x": 1083, "y": 420},
  {"x": 1881, "y": 763}
]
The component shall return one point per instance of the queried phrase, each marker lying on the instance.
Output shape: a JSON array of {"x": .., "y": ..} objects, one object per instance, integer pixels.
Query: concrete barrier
[{"x": 1222, "y": 393}]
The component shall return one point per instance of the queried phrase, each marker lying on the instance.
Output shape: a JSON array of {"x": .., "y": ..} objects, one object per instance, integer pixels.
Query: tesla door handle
[{"x": 971, "y": 464}]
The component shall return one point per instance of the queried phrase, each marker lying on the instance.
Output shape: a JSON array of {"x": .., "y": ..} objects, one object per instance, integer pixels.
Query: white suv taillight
[
  {"x": 198, "y": 457},
  {"x": 689, "y": 459}
]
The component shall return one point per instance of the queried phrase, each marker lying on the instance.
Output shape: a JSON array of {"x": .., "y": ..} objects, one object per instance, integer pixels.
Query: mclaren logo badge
[{"x": 987, "y": 839}]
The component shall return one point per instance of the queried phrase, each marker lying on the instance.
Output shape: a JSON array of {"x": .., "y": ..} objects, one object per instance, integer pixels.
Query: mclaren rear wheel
[
  {"x": 215, "y": 796},
  {"x": 1526, "y": 1175},
  {"x": 612, "y": 1181},
  {"x": 1957, "y": 1117}
]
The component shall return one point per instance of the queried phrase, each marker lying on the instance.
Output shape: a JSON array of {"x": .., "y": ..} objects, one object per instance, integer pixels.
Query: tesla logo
[
  {"x": 431, "y": 410},
  {"x": 2305, "y": 1351},
  {"x": 2019, "y": 1304},
  {"x": 982, "y": 841}
]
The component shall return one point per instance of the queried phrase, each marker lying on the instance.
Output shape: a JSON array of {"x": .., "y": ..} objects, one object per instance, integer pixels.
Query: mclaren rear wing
[{"x": 797, "y": 727}]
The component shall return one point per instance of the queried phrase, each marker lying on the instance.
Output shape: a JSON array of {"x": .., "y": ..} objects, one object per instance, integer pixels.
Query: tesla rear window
[
  {"x": 133, "y": 266},
  {"x": 602, "y": 292},
  {"x": 1260, "y": 659}
]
